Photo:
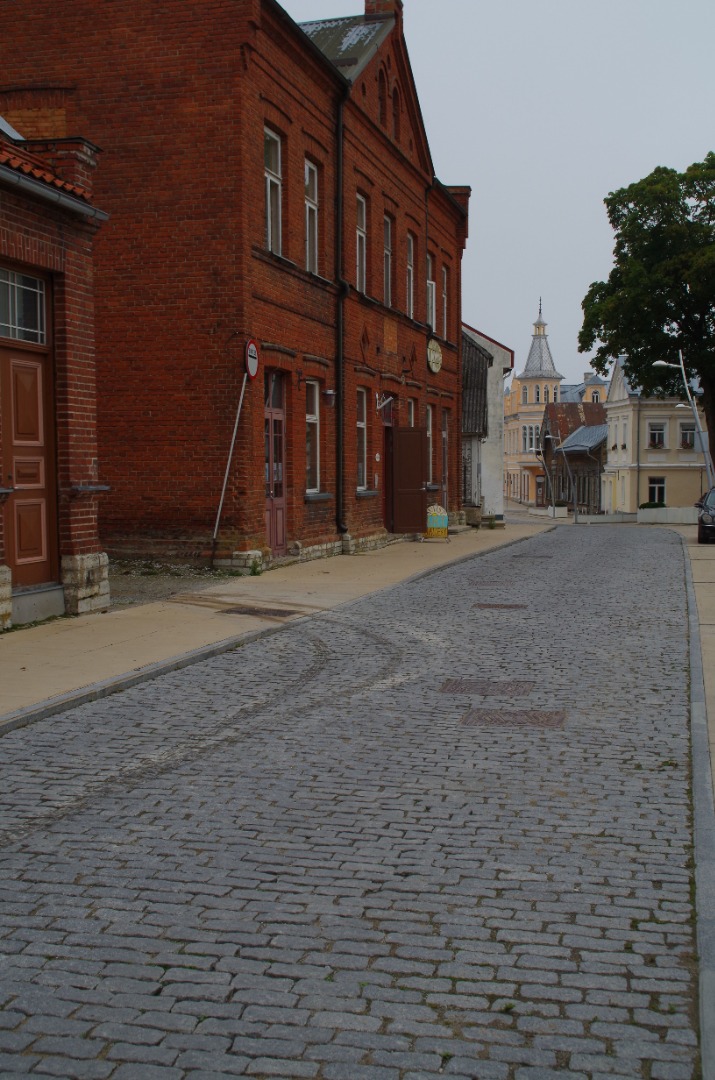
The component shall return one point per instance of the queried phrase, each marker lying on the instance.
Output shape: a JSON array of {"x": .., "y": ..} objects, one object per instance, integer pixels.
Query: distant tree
[{"x": 660, "y": 294}]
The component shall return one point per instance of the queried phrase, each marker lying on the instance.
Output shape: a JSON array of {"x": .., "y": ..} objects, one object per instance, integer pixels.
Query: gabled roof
[
  {"x": 563, "y": 418},
  {"x": 476, "y": 361},
  {"x": 539, "y": 363},
  {"x": 585, "y": 438},
  {"x": 620, "y": 388},
  {"x": 349, "y": 43}
]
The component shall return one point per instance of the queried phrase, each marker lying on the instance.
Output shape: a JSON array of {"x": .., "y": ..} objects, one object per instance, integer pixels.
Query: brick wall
[{"x": 177, "y": 96}]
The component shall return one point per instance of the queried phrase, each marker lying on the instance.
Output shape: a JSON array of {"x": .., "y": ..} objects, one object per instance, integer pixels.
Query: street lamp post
[{"x": 698, "y": 427}]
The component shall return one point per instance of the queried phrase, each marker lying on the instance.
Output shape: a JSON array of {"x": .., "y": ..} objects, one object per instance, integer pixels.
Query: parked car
[{"x": 706, "y": 517}]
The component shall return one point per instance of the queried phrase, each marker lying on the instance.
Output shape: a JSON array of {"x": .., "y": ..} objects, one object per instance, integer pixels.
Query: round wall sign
[
  {"x": 434, "y": 355},
  {"x": 252, "y": 358}
]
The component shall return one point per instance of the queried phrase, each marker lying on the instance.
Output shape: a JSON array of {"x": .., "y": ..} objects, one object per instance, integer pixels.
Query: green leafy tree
[{"x": 660, "y": 294}]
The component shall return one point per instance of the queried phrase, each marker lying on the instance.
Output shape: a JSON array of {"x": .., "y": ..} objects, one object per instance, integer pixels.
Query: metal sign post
[{"x": 251, "y": 371}]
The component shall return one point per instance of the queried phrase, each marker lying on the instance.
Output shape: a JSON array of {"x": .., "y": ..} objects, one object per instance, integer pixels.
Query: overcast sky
[{"x": 543, "y": 107}]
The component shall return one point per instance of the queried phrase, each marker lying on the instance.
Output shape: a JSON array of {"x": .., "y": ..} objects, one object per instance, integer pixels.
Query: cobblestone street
[{"x": 443, "y": 831}]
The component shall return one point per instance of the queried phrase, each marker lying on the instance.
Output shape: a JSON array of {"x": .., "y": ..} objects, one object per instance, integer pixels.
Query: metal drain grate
[
  {"x": 485, "y": 686},
  {"x": 514, "y": 717},
  {"x": 500, "y": 607},
  {"x": 261, "y": 612}
]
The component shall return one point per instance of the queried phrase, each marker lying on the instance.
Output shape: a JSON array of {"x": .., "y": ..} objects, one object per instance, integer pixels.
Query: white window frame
[
  {"x": 524, "y": 439},
  {"x": 546, "y": 395},
  {"x": 361, "y": 244},
  {"x": 274, "y": 192},
  {"x": 445, "y": 297},
  {"x": 311, "y": 216},
  {"x": 312, "y": 432},
  {"x": 387, "y": 259},
  {"x": 537, "y": 394},
  {"x": 556, "y": 394},
  {"x": 410, "y": 310},
  {"x": 14, "y": 288},
  {"x": 361, "y": 426},
  {"x": 657, "y": 435},
  {"x": 430, "y": 439},
  {"x": 411, "y": 412},
  {"x": 431, "y": 292},
  {"x": 687, "y": 435},
  {"x": 525, "y": 395}
]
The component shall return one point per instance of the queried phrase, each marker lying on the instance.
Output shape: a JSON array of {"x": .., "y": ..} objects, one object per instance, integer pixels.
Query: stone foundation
[
  {"x": 85, "y": 579},
  {"x": 5, "y": 598}
]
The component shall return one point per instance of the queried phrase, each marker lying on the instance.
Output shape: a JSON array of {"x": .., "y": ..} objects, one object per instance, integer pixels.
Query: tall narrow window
[
  {"x": 556, "y": 393},
  {"x": 382, "y": 97},
  {"x": 311, "y": 217},
  {"x": 430, "y": 440},
  {"x": 445, "y": 452},
  {"x": 524, "y": 442},
  {"x": 431, "y": 292},
  {"x": 687, "y": 436},
  {"x": 524, "y": 395},
  {"x": 410, "y": 412},
  {"x": 361, "y": 242},
  {"x": 546, "y": 395},
  {"x": 396, "y": 115},
  {"x": 361, "y": 439},
  {"x": 272, "y": 170},
  {"x": 312, "y": 436},
  {"x": 445, "y": 290},
  {"x": 537, "y": 394},
  {"x": 387, "y": 260},
  {"x": 410, "y": 306}
]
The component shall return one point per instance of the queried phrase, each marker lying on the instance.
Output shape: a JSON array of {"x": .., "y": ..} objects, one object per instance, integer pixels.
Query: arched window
[
  {"x": 524, "y": 443},
  {"x": 396, "y": 114},
  {"x": 524, "y": 395},
  {"x": 537, "y": 394},
  {"x": 595, "y": 396},
  {"x": 382, "y": 97},
  {"x": 546, "y": 395},
  {"x": 556, "y": 393}
]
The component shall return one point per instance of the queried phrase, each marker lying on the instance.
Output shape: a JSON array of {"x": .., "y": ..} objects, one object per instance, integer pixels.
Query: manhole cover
[
  {"x": 514, "y": 717},
  {"x": 261, "y": 612},
  {"x": 500, "y": 607},
  {"x": 485, "y": 686}
]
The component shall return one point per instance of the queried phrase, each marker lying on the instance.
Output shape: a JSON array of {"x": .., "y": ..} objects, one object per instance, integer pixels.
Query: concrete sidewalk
[{"x": 44, "y": 669}]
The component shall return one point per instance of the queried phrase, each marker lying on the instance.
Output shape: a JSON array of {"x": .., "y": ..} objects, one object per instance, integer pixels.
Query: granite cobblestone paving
[{"x": 315, "y": 856}]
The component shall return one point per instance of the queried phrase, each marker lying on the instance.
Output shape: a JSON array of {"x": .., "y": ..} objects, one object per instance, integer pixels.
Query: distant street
[{"x": 443, "y": 831}]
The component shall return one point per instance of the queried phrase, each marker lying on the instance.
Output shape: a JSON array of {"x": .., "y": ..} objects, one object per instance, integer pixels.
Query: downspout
[
  {"x": 638, "y": 452},
  {"x": 340, "y": 326}
]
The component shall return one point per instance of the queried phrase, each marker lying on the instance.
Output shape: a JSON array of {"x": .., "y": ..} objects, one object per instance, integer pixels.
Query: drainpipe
[
  {"x": 339, "y": 326},
  {"x": 638, "y": 452}
]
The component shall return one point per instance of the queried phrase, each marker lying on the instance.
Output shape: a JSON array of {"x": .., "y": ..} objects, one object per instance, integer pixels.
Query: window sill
[
  {"x": 366, "y": 493},
  {"x": 317, "y": 496}
]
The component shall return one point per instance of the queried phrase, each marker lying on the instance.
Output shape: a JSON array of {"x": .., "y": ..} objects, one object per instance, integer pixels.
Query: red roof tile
[{"x": 19, "y": 160}]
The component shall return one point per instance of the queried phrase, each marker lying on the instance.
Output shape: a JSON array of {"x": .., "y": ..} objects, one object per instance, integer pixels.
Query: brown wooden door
[
  {"x": 274, "y": 462},
  {"x": 30, "y": 512},
  {"x": 409, "y": 479}
]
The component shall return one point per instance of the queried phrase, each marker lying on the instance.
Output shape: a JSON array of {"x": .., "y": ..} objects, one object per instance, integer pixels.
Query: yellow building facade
[
  {"x": 654, "y": 454},
  {"x": 531, "y": 390}
]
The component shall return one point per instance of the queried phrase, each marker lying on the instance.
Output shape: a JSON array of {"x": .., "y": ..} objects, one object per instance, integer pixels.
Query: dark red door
[
  {"x": 274, "y": 434},
  {"x": 30, "y": 512},
  {"x": 409, "y": 479}
]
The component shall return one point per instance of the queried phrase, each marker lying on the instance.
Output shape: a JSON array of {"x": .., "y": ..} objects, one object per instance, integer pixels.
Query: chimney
[{"x": 383, "y": 9}]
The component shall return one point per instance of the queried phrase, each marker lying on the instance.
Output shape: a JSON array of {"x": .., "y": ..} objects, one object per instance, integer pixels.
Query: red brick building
[
  {"x": 266, "y": 184},
  {"x": 50, "y": 557}
]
